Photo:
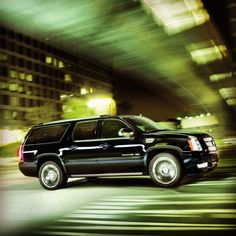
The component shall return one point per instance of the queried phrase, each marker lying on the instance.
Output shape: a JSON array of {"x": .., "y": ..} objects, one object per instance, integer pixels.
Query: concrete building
[{"x": 39, "y": 82}]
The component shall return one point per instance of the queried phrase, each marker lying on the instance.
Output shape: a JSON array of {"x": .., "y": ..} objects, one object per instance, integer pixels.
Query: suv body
[{"x": 114, "y": 146}]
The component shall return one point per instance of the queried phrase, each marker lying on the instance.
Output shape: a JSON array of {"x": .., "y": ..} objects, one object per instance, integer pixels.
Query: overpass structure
[{"x": 170, "y": 48}]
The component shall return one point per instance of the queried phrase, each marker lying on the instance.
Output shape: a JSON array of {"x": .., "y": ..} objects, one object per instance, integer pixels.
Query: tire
[
  {"x": 165, "y": 170},
  {"x": 51, "y": 176}
]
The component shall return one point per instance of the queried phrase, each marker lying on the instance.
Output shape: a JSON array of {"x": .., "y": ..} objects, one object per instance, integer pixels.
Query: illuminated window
[
  {"x": 13, "y": 74},
  {"x": 60, "y": 64},
  {"x": 14, "y": 115},
  {"x": 13, "y": 87},
  {"x": 83, "y": 91},
  {"x": 67, "y": 78},
  {"x": 48, "y": 60},
  {"x": 63, "y": 96},
  {"x": 177, "y": 16},
  {"x": 21, "y": 89},
  {"x": 22, "y": 76},
  {"x": 210, "y": 54},
  {"x": 231, "y": 101},
  {"x": 29, "y": 77},
  {"x": 228, "y": 92},
  {"x": 217, "y": 77}
]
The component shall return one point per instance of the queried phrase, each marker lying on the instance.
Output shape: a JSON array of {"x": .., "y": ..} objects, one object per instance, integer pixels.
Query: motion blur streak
[
  {"x": 155, "y": 211},
  {"x": 177, "y": 16},
  {"x": 124, "y": 206}
]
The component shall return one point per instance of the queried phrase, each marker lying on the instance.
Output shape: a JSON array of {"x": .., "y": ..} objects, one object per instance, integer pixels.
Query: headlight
[{"x": 194, "y": 144}]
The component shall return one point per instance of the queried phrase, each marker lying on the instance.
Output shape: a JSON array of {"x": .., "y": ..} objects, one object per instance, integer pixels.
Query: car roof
[{"x": 82, "y": 119}]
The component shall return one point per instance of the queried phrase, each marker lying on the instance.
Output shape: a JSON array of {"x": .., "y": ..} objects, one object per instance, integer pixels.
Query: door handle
[
  {"x": 104, "y": 146},
  {"x": 73, "y": 147}
]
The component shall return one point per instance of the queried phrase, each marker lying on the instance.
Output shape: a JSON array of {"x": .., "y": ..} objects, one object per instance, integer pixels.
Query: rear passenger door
[{"x": 84, "y": 147}]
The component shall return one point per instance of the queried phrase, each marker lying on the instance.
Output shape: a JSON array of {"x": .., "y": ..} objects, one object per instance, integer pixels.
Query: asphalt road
[{"x": 121, "y": 206}]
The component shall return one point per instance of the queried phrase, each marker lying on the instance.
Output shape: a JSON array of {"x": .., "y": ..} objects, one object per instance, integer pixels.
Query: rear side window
[
  {"x": 85, "y": 130},
  {"x": 47, "y": 134}
]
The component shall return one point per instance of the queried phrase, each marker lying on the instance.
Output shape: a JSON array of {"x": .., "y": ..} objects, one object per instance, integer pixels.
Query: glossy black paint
[{"x": 121, "y": 155}]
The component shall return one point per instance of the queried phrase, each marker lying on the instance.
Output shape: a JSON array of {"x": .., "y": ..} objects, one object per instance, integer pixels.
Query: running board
[{"x": 106, "y": 174}]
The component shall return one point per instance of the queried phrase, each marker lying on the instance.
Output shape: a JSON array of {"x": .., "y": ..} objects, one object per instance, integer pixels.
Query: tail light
[{"x": 21, "y": 153}]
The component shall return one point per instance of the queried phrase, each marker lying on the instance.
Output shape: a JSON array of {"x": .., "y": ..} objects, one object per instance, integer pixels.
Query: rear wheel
[
  {"x": 165, "y": 170},
  {"x": 51, "y": 176}
]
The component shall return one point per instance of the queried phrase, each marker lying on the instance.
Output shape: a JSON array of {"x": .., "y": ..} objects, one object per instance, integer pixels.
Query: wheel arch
[
  {"x": 153, "y": 151},
  {"x": 50, "y": 157}
]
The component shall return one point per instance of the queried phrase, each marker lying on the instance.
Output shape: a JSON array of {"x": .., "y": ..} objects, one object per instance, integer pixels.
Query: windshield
[{"x": 145, "y": 124}]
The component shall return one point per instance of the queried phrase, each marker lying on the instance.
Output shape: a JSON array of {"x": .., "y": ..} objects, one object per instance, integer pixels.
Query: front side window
[
  {"x": 85, "y": 130},
  {"x": 145, "y": 124},
  {"x": 47, "y": 134},
  {"x": 112, "y": 128}
]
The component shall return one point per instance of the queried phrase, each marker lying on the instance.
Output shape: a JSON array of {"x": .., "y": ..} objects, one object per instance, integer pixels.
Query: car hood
[{"x": 176, "y": 133}]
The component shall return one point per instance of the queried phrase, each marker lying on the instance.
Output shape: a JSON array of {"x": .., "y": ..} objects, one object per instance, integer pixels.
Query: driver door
[{"x": 122, "y": 153}]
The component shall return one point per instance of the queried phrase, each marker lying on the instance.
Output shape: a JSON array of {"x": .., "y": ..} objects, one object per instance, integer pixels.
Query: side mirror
[{"x": 126, "y": 132}]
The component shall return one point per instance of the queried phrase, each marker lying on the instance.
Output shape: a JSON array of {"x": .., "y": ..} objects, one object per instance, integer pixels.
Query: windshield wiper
[
  {"x": 156, "y": 130},
  {"x": 151, "y": 130}
]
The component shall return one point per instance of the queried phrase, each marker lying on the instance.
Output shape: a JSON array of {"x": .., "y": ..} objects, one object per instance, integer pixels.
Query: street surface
[{"x": 121, "y": 206}]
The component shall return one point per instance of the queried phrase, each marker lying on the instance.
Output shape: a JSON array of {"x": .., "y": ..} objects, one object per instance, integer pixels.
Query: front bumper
[
  {"x": 207, "y": 166},
  {"x": 200, "y": 163},
  {"x": 28, "y": 168}
]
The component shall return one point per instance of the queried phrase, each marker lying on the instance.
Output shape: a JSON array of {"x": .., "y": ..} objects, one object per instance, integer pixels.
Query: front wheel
[
  {"x": 165, "y": 170},
  {"x": 51, "y": 176}
]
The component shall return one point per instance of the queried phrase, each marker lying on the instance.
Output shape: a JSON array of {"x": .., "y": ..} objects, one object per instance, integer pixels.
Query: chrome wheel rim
[
  {"x": 164, "y": 170},
  {"x": 50, "y": 176}
]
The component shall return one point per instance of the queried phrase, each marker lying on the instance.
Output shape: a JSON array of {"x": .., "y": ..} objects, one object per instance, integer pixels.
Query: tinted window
[
  {"x": 47, "y": 134},
  {"x": 145, "y": 124},
  {"x": 85, "y": 130},
  {"x": 111, "y": 128}
]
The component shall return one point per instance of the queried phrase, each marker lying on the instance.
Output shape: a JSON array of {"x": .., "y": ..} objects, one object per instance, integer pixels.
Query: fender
[
  {"x": 52, "y": 155},
  {"x": 159, "y": 148}
]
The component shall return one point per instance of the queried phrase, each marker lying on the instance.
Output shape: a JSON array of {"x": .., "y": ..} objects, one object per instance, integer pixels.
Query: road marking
[
  {"x": 162, "y": 227},
  {"x": 162, "y": 203},
  {"x": 66, "y": 233},
  {"x": 160, "y": 212},
  {"x": 144, "y": 198},
  {"x": 140, "y": 224},
  {"x": 186, "y": 211}
]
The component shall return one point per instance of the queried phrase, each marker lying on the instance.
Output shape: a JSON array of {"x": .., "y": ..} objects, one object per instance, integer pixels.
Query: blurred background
[
  {"x": 171, "y": 60},
  {"x": 168, "y": 60}
]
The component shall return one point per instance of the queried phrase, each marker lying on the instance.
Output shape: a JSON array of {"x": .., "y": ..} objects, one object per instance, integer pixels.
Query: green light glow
[
  {"x": 229, "y": 92},
  {"x": 121, "y": 35},
  {"x": 218, "y": 77},
  {"x": 177, "y": 16},
  {"x": 231, "y": 102},
  {"x": 206, "y": 55}
]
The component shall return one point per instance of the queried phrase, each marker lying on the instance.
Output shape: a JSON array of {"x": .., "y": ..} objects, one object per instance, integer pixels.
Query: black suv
[{"x": 114, "y": 146}]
